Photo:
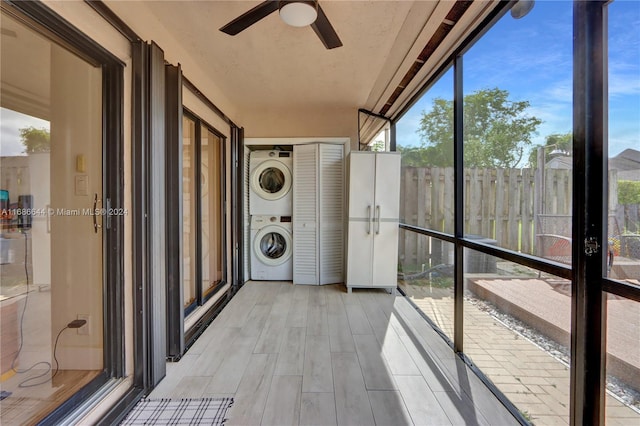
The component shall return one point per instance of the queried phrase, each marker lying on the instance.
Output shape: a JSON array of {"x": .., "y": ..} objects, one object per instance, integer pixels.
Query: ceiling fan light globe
[
  {"x": 522, "y": 8},
  {"x": 298, "y": 14}
]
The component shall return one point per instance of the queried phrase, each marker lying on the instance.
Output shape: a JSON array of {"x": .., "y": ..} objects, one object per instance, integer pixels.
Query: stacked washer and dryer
[{"x": 270, "y": 207}]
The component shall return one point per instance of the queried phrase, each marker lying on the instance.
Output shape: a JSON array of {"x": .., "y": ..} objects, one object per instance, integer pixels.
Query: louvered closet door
[
  {"x": 331, "y": 213},
  {"x": 305, "y": 215},
  {"x": 245, "y": 214}
]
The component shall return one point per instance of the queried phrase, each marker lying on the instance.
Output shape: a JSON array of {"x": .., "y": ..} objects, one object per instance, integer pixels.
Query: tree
[
  {"x": 415, "y": 156},
  {"x": 378, "y": 145},
  {"x": 628, "y": 192},
  {"x": 496, "y": 130},
  {"x": 35, "y": 140},
  {"x": 561, "y": 142}
]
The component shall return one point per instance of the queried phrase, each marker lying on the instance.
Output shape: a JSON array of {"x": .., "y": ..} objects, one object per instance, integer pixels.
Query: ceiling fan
[{"x": 298, "y": 13}]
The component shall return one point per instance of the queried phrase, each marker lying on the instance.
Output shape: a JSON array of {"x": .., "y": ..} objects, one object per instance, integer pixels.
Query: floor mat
[{"x": 186, "y": 411}]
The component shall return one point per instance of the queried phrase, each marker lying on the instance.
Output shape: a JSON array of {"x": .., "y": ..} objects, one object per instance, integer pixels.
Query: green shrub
[{"x": 628, "y": 192}]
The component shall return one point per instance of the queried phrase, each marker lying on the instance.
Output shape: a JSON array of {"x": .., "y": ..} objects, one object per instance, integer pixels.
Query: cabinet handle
[
  {"x": 368, "y": 219},
  {"x": 95, "y": 213},
  {"x": 378, "y": 220}
]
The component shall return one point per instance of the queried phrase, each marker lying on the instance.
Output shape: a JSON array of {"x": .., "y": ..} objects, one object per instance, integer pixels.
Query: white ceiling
[
  {"x": 24, "y": 88},
  {"x": 277, "y": 80},
  {"x": 272, "y": 65}
]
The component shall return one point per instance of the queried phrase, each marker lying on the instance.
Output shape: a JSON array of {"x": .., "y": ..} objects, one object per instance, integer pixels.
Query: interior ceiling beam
[{"x": 445, "y": 27}]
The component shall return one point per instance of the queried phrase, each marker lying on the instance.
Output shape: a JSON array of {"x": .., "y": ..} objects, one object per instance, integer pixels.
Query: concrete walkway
[{"x": 535, "y": 381}]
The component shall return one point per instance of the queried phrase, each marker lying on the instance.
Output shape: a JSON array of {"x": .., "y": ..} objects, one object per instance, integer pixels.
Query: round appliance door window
[
  {"x": 272, "y": 245},
  {"x": 271, "y": 180}
]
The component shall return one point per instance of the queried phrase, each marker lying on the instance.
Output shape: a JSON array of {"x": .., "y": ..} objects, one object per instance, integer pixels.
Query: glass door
[
  {"x": 211, "y": 210},
  {"x": 189, "y": 230},
  {"x": 203, "y": 213},
  {"x": 51, "y": 235}
]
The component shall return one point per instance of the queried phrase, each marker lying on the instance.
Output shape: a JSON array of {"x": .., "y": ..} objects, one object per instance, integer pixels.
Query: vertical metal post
[
  {"x": 237, "y": 201},
  {"x": 140, "y": 209},
  {"x": 392, "y": 137},
  {"x": 588, "y": 309},
  {"x": 359, "y": 145},
  {"x": 157, "y": 224},
  {"x": 240, "y": 203},
  {"x": 458, "y": 164},
  {"x": 174, "y": 214},
  {"x": 197, "y": 166}
]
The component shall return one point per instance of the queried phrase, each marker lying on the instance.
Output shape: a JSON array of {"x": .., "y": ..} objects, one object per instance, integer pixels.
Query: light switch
[
  {"x": 81, "y": 166},
  {"x": 82, "y": 185}
]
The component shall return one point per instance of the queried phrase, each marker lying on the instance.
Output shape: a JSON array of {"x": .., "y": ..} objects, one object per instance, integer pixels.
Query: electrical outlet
[{"x": 85, "y": 328}]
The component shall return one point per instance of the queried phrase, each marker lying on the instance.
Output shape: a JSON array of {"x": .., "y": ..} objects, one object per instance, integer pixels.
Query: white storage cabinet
[{"x": 373, "y": 217}]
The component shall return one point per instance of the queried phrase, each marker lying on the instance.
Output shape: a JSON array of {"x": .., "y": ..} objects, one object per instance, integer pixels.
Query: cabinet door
[
  {"x": 361, "y": 184},
  {"x": 359, "y": 234},
  {"x": 360, "y": 250},
  {"x": 385, "y": 254},
  {"x": 387, "y": 185},
  {"x": 305, "y": 215},
  {"x": 385, "y": 226}
]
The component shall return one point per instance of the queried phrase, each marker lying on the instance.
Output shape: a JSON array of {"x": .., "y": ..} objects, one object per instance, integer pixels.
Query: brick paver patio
[{"x": 536, "y": 382}]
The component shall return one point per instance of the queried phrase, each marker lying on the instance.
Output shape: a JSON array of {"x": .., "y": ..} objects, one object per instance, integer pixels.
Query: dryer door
[
  {"x": 272, "y": 245},
  {"x": 271, "y": 180}
]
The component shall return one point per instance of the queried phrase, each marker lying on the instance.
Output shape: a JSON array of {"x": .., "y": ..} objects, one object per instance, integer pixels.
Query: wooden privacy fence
[{"x": 499, "y": 204}]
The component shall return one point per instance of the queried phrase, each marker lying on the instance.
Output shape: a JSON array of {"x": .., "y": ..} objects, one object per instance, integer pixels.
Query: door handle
[
  {"x": 368, "y": 219},
  {"x": 48, "y": 218},
  {"x": 95, "y": 213},
  {"x": 378, "y": 220}
]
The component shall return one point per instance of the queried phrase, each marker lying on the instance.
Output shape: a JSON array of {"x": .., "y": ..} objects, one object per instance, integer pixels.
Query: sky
[
  {"x": 10, "y": 124},
  {"x": 531, "y": 58}
]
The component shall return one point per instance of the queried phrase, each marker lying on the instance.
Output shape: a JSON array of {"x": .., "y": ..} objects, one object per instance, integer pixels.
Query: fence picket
[
  {"x": 527, "y": 211},
  {"x": 513, "y": 211},
  {"x": 447, "y": 189},
  {"x": 475, "y": 207}
]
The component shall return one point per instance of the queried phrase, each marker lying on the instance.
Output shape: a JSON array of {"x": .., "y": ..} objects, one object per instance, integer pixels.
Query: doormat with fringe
[{"x": 186, "y": 411}]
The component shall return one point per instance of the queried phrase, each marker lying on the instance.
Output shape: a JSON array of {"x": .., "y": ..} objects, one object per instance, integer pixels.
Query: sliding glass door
[
  {"x": 56, "y": 224},
  {"x": 203, "y": 214},
  {"x": 211, "y": 210}
]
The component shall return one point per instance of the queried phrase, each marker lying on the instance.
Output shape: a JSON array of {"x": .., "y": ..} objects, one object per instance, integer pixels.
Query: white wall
[{"x": 328, "y": 123}]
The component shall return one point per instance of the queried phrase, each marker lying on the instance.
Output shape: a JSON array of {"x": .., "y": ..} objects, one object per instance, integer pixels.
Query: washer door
[
  {"x": 271, "y": 180},
  {"x": 272, "y": 245}
]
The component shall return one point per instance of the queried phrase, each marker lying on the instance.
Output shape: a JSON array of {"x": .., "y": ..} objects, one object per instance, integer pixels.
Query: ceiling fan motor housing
[{"x": 298, "y": 13}]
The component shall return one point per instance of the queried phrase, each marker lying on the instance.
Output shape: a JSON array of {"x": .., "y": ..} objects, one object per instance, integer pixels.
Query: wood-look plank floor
[{"x": 315, "y": 355}]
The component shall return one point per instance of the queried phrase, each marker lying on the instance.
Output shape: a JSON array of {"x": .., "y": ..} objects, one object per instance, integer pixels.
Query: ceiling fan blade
[
  {"x": 325, "y": 31},
  {"x": 249, "y": 18}
]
